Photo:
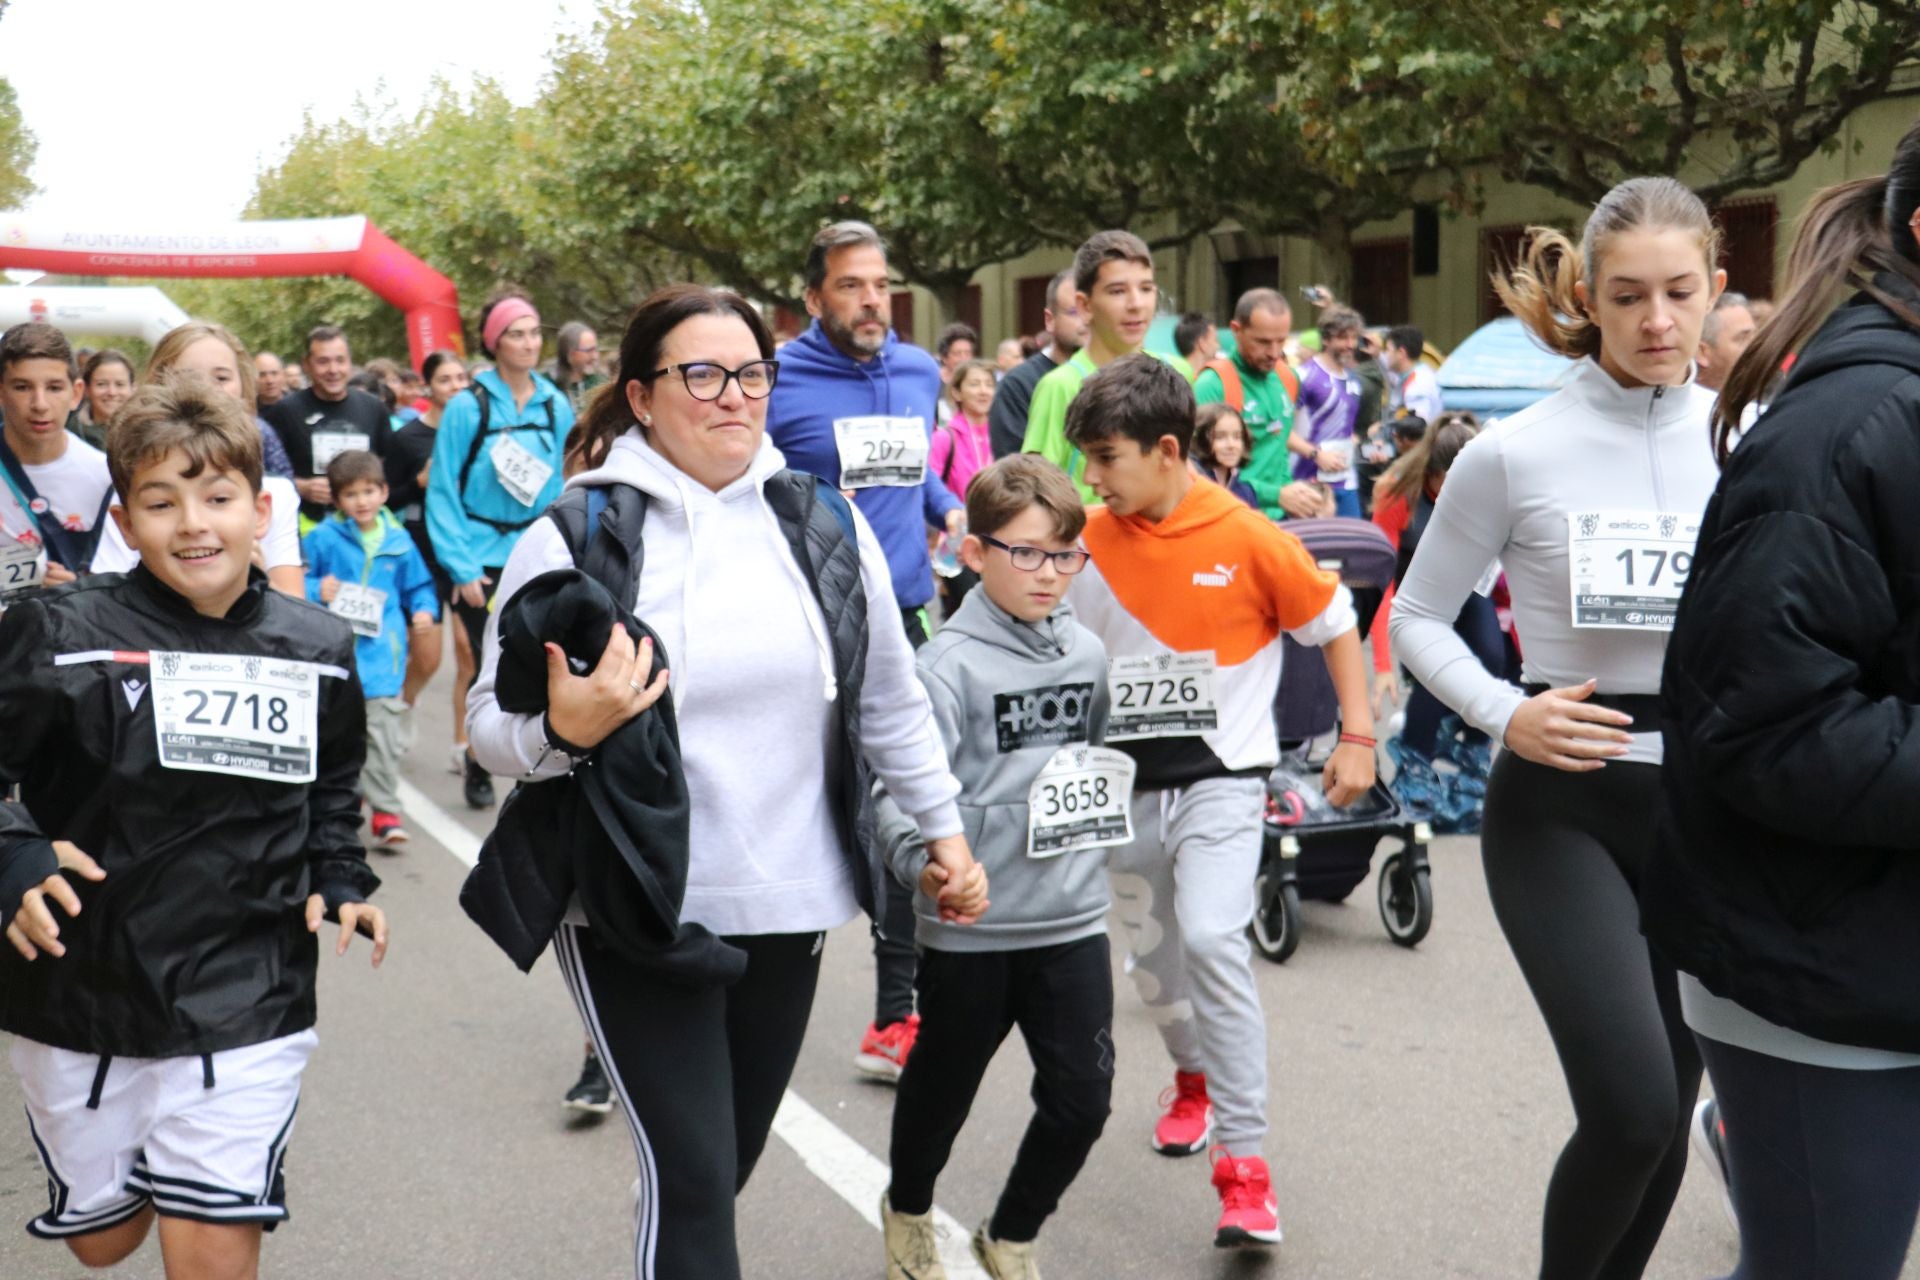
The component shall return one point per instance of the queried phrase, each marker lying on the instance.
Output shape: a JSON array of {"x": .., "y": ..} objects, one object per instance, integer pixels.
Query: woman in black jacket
[{"x": 1786, "y": 887}]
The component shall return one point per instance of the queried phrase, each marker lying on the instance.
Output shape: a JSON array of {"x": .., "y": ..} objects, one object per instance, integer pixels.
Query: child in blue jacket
[{"x": 362, "y": 565}]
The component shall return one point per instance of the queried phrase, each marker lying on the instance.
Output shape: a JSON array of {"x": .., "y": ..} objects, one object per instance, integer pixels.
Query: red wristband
[{"x": 1358, "y": 740}]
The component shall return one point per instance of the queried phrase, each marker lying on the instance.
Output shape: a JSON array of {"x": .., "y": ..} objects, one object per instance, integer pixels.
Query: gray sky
[{"x": 166, "y": 109}]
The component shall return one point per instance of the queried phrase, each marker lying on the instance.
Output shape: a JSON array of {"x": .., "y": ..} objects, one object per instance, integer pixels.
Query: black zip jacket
[
  {"x": 196, "y": 941},
  {"x": 1787, "y": 872}
]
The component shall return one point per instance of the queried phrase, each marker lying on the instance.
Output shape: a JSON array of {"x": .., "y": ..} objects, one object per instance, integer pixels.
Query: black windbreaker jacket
[
  {"x": 1787, "y": 873},
  {"x": 196, "y": 941}
]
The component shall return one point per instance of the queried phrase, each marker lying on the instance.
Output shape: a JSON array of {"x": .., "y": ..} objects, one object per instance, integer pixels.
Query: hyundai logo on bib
[{"x": 1050, "y": 717}]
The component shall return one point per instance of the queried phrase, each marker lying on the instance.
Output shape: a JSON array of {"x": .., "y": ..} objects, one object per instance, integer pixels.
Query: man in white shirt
[{"x": 1416, "y": 387}]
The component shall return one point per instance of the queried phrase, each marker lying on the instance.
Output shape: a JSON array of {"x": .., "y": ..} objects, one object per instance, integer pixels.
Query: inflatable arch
[
  {"x": 351, "y": 247},
  {"x": 140, "y": 310}
]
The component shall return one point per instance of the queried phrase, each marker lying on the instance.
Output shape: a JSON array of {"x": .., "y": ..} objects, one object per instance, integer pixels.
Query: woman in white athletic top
[{"x": 1590, "y": 500}]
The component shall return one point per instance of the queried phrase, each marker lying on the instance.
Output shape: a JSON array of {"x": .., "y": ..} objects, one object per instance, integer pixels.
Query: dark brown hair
[
  {"x": 999, "y": 493},
  {"x": 1540, "y": 287},
  {"x": 35, "y": 341},
  {"x": 1205, "y": 419},
  {"x": 188, "y": 412},
  {"x": 1426, "y": 460},
  {"x": 104, "y": 357},
  {"x": 1138, "y": 397},
  {"x": 1847, "y": 234},
  {"x": 325, "y": 333},
  {"x": 1103, "y": 247},
  {"x": 608, "y": 414},
  {"x": 351, "y": 467}
]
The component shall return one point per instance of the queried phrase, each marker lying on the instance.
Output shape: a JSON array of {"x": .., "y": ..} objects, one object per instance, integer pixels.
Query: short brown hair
[
  {"x": 189, "y": 413},
  {"x": 1103, "y": 247},
  {"x": 324, "y": 333},
  {"x": 1138, "y": 397},
  {"x": 1204, "y": 421},
  {"x": 999, "y": 493},
  {"x": 1338, "y": 319},
  {"x": 965, "y": 367},
  {"x": 35, "y": 341},
  {"x": 835, "y": 236},
  {"x": 352, "y": 466}
]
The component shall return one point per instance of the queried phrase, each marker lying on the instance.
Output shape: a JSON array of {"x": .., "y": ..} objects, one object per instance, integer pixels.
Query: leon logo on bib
[{"x": 1048, "y": 717}]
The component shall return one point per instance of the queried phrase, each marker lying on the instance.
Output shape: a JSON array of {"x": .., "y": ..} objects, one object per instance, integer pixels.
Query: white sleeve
[
  {"x": 1423, "y": 394},
  {"x": 1334, "y": 621},
  {"x": 505, "y": 743},
  {"x": 1467, "y": 532},
  {"x": 282, "y": 543},
  {"x": 898, "y": 736},
  {"x": 113, "y": 555}
]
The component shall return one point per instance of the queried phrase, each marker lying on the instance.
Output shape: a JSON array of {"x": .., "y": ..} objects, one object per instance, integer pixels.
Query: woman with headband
[{"x": 496, "y": 466}]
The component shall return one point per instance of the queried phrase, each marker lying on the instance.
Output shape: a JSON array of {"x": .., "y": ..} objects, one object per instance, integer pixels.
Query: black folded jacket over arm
[{"x": 614, "y": 831}]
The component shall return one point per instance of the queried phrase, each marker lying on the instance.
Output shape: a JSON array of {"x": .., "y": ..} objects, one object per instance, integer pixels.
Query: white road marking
[{"x": 849, "y": 1170}]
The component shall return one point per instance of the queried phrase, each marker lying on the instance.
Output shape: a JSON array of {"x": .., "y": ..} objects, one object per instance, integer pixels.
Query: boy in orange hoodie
[{"x": 1190, "y": 590}]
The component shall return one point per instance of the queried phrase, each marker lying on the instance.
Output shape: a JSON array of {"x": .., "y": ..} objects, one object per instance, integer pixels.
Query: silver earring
[{"x": 646, "y": 419}]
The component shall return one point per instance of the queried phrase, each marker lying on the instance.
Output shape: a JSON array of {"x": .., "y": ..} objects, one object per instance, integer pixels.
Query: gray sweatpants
[
  {"x": 389, "y": 739},
  {"x": 1183, "y": 890}
]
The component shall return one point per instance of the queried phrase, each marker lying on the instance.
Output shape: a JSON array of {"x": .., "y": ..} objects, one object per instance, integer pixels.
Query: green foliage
[{"x": 17, "y": 147}]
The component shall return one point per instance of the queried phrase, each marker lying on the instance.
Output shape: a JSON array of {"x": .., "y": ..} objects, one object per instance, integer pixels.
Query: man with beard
[
  {"x": 854, "y": 405},
  {"x": 1257, "y": 383}
]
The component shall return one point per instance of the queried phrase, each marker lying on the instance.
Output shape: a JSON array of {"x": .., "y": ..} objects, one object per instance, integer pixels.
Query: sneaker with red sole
[
  {"x": 1249, "y": 1214},
  {"x": 387, "y": 828},
  {"x": 1186, "y": 1121},
  {"x": 883, "y": 1050}
]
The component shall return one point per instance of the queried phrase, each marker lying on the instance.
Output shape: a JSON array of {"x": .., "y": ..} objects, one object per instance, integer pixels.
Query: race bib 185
[
  {"x": 520, "y": 473},
  {"x": 1628, "y": 568},
  {"x": 247, "y": 716}
]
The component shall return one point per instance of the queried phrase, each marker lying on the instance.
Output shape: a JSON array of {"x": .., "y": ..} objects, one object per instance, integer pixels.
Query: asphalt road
[{"x": 1417, "y": 1110}]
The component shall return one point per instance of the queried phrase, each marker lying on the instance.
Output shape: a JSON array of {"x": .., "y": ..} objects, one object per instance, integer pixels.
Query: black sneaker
[
  {"x": 479, "y": 786},
  {"x": 592, "y": 1092}
]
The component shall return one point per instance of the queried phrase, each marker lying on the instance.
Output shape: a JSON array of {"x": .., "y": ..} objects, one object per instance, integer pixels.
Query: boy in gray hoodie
[{"x": 1019, "y": 692}]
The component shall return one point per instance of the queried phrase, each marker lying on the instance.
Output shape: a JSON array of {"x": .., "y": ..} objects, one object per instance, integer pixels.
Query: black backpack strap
[
  {"x": 480, "y": 433},
  {"x": 601, "y": 527}
]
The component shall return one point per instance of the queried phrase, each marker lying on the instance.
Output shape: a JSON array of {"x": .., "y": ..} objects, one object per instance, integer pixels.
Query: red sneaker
[
  {"x": 883, "y": 1050},
  {"x": 1249, "y": 1214},
  {"x": 387, "y": 828},
  {"x": 1187, "y": 1122}
]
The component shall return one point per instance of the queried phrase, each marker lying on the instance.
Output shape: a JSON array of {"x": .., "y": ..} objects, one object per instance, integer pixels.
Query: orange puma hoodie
[{"x": 1217, "y": 576}]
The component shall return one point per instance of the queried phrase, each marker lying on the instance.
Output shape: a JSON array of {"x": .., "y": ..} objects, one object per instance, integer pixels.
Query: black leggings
[
  {"x": 474, "y": 617},
  {"x": 700, "y": 1073},
  {"x": 1563, "y": 855},
  {"x": 1823, "y": 1164},
  {"x": 1061, "y": 998}
]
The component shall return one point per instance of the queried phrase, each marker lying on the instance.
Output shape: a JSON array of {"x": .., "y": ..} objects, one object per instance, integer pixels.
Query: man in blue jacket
[{"x": 854, "y": 405}]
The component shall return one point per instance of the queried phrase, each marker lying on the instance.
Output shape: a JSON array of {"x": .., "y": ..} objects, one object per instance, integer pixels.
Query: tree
[{"x": 17, "y": 146}]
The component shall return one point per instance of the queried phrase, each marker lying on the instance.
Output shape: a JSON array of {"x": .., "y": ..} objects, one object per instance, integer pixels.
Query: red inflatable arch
[{"x": 351, "y": 247}]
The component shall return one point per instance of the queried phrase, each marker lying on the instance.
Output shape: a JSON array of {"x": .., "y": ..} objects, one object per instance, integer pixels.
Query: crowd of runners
[{"x": 768, "y": 635}]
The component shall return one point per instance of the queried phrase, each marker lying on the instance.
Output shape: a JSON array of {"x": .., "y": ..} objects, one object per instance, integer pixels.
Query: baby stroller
[{"x": 1310, "y": 849}]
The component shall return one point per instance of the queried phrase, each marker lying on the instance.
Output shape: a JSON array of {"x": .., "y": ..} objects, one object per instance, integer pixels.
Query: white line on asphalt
[
  {"x": 858, "y": 1178},
  {"x": 849, "y": 1169}
]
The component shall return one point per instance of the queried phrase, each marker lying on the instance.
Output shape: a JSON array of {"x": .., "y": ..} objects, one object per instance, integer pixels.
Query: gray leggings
[{"x": 1823, "y": 1164}]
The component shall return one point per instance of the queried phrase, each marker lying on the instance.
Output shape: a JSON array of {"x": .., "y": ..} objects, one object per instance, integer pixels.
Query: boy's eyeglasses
[
  {"x": 707, "y": 381},
  {"x": 1029, "y": 559}
]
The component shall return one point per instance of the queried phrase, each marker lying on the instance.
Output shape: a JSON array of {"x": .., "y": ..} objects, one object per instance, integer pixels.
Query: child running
[
  {"x": 1019, "y": 692},
  {"x": 364, "y": 567},
  {"x": 186, "y": 743},
  {"x": 1190, "y": 591}
]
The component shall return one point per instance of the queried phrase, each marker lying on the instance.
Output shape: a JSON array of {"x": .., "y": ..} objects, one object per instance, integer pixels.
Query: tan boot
[
  {"x": 913, "y": 1245},
  {"x": 1005, "y": 1259}
]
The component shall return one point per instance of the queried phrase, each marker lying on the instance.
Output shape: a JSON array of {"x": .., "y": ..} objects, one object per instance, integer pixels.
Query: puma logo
[
  {"x": 1222, "y": 576},
  {"x": 133, "y": 689}
]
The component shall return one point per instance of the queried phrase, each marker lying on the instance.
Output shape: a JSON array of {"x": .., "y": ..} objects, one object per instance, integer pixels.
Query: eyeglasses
[
  {"x": 707, "y": 381},
  {"x": 1029, "y": 559}
]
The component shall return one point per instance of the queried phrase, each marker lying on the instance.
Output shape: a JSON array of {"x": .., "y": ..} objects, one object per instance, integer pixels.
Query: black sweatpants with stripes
[{"x": 700, "y": 1073}]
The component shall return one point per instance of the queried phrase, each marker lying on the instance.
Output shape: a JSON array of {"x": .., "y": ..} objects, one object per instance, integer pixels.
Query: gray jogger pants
[
  {"x": 389, "y": 739},
  {"x": 1183, "y": 891}
]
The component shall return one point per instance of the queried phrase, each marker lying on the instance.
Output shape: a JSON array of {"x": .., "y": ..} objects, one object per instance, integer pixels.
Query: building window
[
  {"x": 1250, "y": 273},
  {"x": 1382, "y": 276},
  {"x": 903, "y": 314},
  {"x": 1747, "y": 231},
  {"x": 1032, "y": 292}
]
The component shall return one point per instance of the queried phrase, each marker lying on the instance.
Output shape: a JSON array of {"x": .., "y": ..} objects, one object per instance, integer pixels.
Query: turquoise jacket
[{"x": 473, "y": 526}]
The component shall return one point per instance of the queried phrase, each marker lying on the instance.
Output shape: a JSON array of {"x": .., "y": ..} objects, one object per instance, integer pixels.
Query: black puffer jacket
[
  {"x": 196, "y": 941},
  {"x": 1787, "y": 876}
]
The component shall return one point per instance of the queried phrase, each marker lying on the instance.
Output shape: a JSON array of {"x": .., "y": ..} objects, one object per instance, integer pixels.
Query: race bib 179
[{"x": 1628, "y": 568}]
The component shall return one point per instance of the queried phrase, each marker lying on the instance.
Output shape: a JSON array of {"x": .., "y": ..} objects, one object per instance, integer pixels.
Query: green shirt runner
[
  {"x": 1047, "y": 418},
  {"x": 1268, "y": 413}
]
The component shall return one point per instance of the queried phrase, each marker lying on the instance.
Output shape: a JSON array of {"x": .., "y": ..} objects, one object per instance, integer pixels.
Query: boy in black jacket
[{"x": 187, "y": 745}]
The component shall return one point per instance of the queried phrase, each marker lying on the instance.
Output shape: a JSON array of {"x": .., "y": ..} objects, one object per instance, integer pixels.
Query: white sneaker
[
  {"x": 1005, "y": 1259},
  {"x": 913, "y": 1244},
  {"x": 457, "y": 760}
]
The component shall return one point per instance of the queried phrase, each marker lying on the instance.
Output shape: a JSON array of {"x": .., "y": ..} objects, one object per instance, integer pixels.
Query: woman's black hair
[{"x": 431, "y": 365}]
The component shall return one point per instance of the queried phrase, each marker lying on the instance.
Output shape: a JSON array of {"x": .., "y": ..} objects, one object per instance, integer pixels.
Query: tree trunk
[
  {"x": 1333, "y": 254},
  {"x": 946, "y": 304}
]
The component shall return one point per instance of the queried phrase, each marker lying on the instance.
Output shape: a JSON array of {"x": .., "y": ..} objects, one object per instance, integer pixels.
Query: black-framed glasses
[
  {"x": 705, "y": 380},
  {"x": 1029, "y": 559}
]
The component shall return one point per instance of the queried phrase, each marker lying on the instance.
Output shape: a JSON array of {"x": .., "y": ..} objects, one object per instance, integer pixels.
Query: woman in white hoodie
[{"x": 783, "y": 697}]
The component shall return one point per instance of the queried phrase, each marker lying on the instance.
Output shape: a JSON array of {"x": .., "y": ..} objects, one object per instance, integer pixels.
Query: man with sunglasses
[{"x": 855, "y": 406}]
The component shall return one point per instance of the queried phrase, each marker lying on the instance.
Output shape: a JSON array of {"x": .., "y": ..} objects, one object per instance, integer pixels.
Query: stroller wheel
[
  {"x": 1406, "y": 900},
  {"x": 1275, "y": 929}
]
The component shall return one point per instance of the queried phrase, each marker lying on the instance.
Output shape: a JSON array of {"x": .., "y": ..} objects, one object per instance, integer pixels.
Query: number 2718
[{"x": 276, "y": 709}]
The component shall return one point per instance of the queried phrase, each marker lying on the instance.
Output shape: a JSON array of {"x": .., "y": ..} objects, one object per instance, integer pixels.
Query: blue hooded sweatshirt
[
  {"x": 817, "y": 385},
  {"x": 333, "y": 550},
  {"x": 476, "y": 530}
]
